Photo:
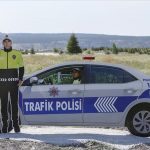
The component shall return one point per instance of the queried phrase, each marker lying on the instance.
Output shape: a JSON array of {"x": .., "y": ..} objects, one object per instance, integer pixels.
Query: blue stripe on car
[{"x": 109, "y": 104}]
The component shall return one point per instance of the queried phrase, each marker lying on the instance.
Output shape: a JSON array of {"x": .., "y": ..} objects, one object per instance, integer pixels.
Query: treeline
[
  {"x": 31, "y": 51},
  {"x": 118, "y": 50},
  {"x": 73, "y": 47}
]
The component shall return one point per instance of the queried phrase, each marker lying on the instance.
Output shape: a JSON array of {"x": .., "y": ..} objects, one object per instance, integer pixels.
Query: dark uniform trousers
[{"x": 9, "y": 105}]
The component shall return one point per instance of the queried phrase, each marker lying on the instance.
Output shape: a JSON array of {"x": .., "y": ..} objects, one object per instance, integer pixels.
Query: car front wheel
[{"x": 138, "y": 121}]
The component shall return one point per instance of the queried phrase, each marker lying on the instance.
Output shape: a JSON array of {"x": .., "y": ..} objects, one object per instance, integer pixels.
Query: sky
[{"x": 112, "y": 17}]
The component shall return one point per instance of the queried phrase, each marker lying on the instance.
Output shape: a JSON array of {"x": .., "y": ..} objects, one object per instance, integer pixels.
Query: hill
[{"x": 48, "y": 41}]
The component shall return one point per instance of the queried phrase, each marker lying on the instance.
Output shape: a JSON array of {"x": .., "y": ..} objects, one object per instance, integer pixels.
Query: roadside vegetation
[{"x": 37, "y": 62}]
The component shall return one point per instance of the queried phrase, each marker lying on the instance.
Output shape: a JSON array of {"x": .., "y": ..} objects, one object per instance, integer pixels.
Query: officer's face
[
  {"x": 75, "y": 74},
  {"x": 7, "y": 44}
]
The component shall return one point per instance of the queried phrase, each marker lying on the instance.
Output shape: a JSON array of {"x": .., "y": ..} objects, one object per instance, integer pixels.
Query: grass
[{"x": 37, "y": 62}]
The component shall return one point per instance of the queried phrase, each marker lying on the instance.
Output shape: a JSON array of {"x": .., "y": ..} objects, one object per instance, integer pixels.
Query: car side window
[
  {"x": 57, "y": 76},
  {"x": 104, "y": 74},
  {"x": 128, "y": 77}
]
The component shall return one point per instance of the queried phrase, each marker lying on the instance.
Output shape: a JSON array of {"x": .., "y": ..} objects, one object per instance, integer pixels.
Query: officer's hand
[{"x": 20, "y": 82}]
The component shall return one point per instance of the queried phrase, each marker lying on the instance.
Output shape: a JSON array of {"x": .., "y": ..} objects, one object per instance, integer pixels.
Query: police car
[{"x": 108, "y": 95}]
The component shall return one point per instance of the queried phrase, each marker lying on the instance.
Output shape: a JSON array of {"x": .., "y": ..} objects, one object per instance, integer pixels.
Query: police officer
[
  {"x": 76, "y": 73},
  {"x": 11, "y": 77}
]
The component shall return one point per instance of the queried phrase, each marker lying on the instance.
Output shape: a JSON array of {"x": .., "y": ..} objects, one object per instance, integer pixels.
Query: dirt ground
[{"x": 6, "y": 144}]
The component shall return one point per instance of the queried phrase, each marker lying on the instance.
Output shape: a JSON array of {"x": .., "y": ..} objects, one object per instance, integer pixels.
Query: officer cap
[
  {"x": 76, "y": 69},
  {"x": 6, "y": 38}
]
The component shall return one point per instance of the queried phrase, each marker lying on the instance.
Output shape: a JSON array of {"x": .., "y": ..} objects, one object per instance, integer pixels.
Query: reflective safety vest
[
  {"x": 77, "y": 81},
  {"x": 11, "y": 67}
]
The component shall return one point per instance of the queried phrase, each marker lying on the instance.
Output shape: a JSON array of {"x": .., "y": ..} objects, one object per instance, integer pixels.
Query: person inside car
[{"x": 76, "y": 73}]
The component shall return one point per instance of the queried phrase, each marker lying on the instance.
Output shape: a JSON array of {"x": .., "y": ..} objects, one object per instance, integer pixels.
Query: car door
[
  {"x": 53, "y": 99},
  {"x": 109, "y": 92}
]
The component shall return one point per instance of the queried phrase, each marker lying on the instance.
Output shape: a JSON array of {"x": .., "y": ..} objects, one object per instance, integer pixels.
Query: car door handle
[
  {"x": 74, "y": 92},
  {"x": 130, "y": 91}
]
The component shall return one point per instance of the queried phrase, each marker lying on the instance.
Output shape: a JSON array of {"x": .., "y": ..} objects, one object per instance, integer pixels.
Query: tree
[
  {"x": 26, "y": 51},
  {"x": 32, "y": 51},
  {"x": 73, "y": 45},
  {"x": 55, "y": 50},
  {"x": 114, "y": 49}
]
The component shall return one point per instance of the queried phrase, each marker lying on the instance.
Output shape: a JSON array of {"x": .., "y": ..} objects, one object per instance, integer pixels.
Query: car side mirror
[{"x": 33, "y": 80}]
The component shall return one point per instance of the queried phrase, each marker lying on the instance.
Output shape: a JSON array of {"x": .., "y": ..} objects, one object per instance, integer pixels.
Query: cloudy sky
[{"x": 124, "y": 17}]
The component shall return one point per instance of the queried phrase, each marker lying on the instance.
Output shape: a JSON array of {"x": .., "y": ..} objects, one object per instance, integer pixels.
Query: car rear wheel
[{"x": 138, "y": 121}]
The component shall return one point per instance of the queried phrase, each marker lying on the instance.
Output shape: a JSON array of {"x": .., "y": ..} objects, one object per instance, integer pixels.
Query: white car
[{"x": 108, "y": 95}]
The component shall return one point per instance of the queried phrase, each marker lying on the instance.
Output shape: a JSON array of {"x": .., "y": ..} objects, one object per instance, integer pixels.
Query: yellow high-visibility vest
[{"x": 11, "y": 60}]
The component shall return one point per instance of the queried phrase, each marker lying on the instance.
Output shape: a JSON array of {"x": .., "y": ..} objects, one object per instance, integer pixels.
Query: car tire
[{"x": 138, "y": 121}]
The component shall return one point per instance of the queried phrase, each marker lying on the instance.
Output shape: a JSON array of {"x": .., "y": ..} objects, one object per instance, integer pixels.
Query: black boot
[
  {"x": 17, "y": 128},
  {"x": 10, "y": 126},
  {"x": 5, "y": 128}
]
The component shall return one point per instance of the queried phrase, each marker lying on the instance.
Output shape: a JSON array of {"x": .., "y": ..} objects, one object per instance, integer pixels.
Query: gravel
[{"x": 8, "y": 144}]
